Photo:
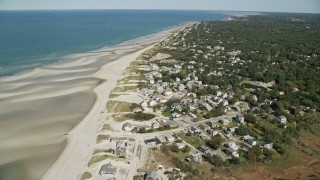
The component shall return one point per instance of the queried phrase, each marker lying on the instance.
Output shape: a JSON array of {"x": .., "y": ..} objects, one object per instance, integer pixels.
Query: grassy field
[
  {"x": 102, "y": 137},
  {"x": 97, "y": 158},
  {"x": 120, "y": 117},
  {"x": 118, "y": 106},
  {"x": 193, "y": 140}
]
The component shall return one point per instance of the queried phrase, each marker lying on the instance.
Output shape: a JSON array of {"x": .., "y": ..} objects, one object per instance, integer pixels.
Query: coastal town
[{"x": 182, "y": 105}]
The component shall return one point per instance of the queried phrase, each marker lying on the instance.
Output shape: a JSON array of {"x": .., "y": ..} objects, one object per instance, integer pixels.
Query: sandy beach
[{"x": 49, "y": 115}]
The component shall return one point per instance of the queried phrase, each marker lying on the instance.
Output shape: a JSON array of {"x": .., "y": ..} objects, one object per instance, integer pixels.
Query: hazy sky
[{"x": 309, "y": 6}]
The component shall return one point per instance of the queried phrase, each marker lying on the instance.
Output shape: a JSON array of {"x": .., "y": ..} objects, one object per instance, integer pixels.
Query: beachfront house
[
  {"x": 153, "y": 142},
  {"x": 153, "y": 176},
  {"x": 137, "y": 109},
  {"x": 121, "y": 144},
  {"x": 127, "y": 127},
  {"x": 155, "y": 125},
  {"x": 107, "y": 169},
  {"x": 120, "y": 152},
  {"x": 144, "y": 104}
]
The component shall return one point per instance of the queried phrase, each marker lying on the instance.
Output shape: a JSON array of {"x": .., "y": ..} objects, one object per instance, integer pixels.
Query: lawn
[{"x": 193, "y": 140}]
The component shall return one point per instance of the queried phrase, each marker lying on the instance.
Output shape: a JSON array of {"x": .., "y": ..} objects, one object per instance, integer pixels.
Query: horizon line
[{"x": 97, "y": 9}]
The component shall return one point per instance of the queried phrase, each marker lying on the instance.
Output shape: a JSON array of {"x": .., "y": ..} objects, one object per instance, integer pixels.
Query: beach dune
[{"x": 39, "y": 111}]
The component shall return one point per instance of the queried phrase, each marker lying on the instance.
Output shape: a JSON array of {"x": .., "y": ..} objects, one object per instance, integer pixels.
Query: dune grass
[
  {"x": 102, "y": 137},
  {"x": 86, "y": 175}
]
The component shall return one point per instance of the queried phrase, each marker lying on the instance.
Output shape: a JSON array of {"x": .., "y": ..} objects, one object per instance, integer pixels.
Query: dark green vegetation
[
  {"x": 282, "y": 53},
  {"x": 141, "y": 116}
]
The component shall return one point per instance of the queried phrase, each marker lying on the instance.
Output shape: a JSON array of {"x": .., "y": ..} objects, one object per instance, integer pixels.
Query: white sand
[
  {"x": 84, "y": 134},
  {"x": 39, "y": 109},
  {"x": 82, "y": 139}
]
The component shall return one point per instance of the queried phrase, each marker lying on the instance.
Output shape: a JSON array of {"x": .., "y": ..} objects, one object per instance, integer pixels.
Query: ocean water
[{"x": 29, "y": 39}]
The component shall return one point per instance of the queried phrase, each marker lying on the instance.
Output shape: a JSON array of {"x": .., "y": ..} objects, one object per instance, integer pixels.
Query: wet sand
[{"x": 39, "y": 110}]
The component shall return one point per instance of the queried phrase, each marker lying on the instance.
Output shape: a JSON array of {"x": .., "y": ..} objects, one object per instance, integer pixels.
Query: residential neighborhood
[{"x": 186, "y": 103}]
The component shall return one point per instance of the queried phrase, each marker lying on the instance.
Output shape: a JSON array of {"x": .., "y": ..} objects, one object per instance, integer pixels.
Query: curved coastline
[
  {"x": 36, "y": 95},
  {"x": 83, "y": 135}
]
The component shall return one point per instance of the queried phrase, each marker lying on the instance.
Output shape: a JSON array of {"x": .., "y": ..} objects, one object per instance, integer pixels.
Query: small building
[
  {"x": 252, "y": 142},
  {"x": 127, "y": 127},
  {"x": 240, "y": 118},
  {"x": 232, "y": 145},
  {"x": 120, "y": 151},
  {"x": 180, "y": 145},
  {"x": 152, "y": 103},
  {"x": 121, "y": 144},
  {"x": 233, "y": 129},
  {"x": 167, "y": 92},
  {"x": 153, "y": 142},
  {"x": 163, "y": 100},
  {"x": 197, "y": 158},
  {"x": 155, "y": 125},
  {"x": 194, "y": 130},
  {"x": 176, "y": 106},
  {"x": 107, "y": 169},
  {"x": 212, "y": 124},
  {"x": 268, "y": 146},
  {"x": 224, "y": 121},
  {"x": 137, "y": 109},
  {"x": 204, "y": 149},
  {"x": 249, "y": 140},
  {"x": 169, "y": 138},
  {"x": 144, "y": 104},
  {"x": 153, "y": 176},
  {"x": 282, "y": 119},
  {"x": 175, "y": 116}
]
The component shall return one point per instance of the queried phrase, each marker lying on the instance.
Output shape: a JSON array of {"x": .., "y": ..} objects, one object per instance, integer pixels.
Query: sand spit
[{"x": 40, "y": 110}]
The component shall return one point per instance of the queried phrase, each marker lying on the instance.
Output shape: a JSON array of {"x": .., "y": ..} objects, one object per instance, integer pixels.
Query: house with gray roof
[{"x": 107, "y": 169}]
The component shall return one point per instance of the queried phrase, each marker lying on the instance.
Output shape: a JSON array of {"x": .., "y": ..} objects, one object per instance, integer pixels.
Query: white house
[
  {"x": 232, "y": 145},
  {"x": 155, "y": 125},
  {"x": 224, "y": 121},
  {"x": 181, "y": 146},
  {"x": 169, "y": 138},
  {"x": 240, "y": 118},
  {"x": 167, "y": 93},
  {"x": 268, "y": 146},
  {"x": 282, "y": 119},
  {"x": 144, "y": 104},
  {"x": 127, "y": 126},
  {"x": 152, "y": 103},
  {"x": 249, "y": 140}
]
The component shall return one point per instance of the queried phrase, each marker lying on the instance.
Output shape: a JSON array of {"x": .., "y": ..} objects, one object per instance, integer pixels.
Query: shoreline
[
  {"x": 31, "y": 101},
  {"x": 71, "y": 57},
  {"x": 91, "y": 121}
]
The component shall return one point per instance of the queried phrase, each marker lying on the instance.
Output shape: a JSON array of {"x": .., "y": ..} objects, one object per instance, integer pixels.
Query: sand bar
[{"x": 40, "y": 110}]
